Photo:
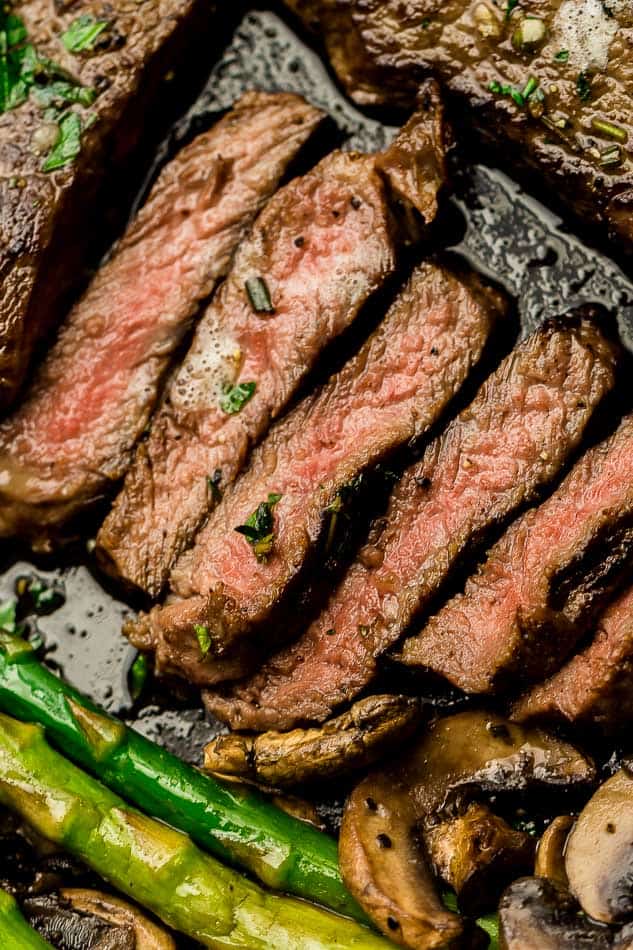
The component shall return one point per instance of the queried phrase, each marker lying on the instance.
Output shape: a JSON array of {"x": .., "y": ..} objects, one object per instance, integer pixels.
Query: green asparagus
[
  {"x": 237, "y": 824},
  {"x": 14, "y": 930},
  {"x": 157, "y": 866}
]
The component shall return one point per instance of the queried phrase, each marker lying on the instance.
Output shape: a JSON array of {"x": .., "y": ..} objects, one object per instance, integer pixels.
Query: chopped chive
[
  {"x": 213, "y": 486},
  {"x": 259, "y": 295},
  {"x": 530, "y": 87},
  {"x": 610, "y": 130},
  {"x": 562, "y": 56},
  {"x": 583, "y": 86},
  {"x": 510, "y": 8},
  {"x": 235, "y": 398},
  {"x": 258, "y": 528},
  {"x": 203, "y": 637},
  {"x": 611, "y": 156}
]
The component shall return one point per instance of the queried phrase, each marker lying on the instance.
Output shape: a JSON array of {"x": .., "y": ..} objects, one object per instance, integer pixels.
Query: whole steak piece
[
  {"x": 92, "y": 397},
  {"x": 390, "y": 393},
  {"x": 547, "y": 84},
  {"x": 543, "y": 584},
  {"x": 317, "y": 253},
  {"x": 513, "y": 439},
  {"x": 83, "y": 87}
]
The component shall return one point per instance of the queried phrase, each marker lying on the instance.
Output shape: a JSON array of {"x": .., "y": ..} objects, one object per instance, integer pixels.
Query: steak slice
[
  {"x": 317, "y": 252},
  {"x": 93, "y": 395},
  {"x": 391, "y": 392},
  {"x": 576, "y": 51},
  {"x": 47, "y": 218},
  {"x": 542, "y": 584},
  {"x": 594, "y": 687},
  {"x": 513, "y": 439}
]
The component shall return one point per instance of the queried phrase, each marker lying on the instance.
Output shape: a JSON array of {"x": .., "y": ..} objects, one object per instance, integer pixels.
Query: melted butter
[
  {"x": 584, "y": 28},
  {"x": 211, "y": 364}
]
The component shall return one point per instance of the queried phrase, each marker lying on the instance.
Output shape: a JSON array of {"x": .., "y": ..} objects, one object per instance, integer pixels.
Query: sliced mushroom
[
  {"x": 599, "y": 853},
  {"x": 550, "y": 853},
  {"x": 78, "y": 917},
  {"x": 476, "y": 854},
  {"x": 381, "y": 859},
  {"x": 536, "y": 914},
  {"x": 353, "y": 740}
]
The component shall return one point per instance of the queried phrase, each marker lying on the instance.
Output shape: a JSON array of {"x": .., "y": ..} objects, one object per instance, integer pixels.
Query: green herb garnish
[
  {"x": 258, "y": 529},
  {"x": 82, "y": 33},
  {"x": 562, "y": 56},
  {"x": 213, "y": 485},
  {"x": 37, "y": 594},
  {"x": 68, "y": 144},
  {"x": 138, "y": 676},
  {"x": 58, "y": 93},
  {"x": 259, "y": 295},
  {"x": 583, "y": 86},
  {"x": 236, "y": 397},
  {"x": 609, "y": 130},
  {"x": 510, "y": 8},
  {"x": 204, "y": 638},
  {"x": 8, "y": 622}
]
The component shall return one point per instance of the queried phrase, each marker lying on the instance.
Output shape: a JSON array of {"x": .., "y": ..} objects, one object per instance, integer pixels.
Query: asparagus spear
[
  {"x": 14, "y": 930},
  {"x": 236, "y": 824},
  {"x": 155, "y": 865}
]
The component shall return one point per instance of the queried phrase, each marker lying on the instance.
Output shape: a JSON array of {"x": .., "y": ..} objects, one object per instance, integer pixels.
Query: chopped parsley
[
  {"x": 510, "y": 6},
  {"x": 562, "y": 56},
  {"x": 259, "y": 295},
  {"x": 8, "y": 621},
  {"x": 519, "y": 96},
  {"x": 82, "y": 33},
  {"x": 24, "y": 72},
  {"x": 583, "y": 86},
  {"x": 68, "y": 144},
  {"x": 203, "y": 637},
  {"x": 258, "y": 529},
  {"x": 236, "y": 397}
]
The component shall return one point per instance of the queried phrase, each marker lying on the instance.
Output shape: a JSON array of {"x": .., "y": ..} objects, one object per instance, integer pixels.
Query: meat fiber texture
[
  {"x": 92, "y": 397},
  {"x": 527, "y": 418},
  {"x": 389, "y": 394},
  {"x": 542, "y": 584},
  {"x": 47, "y": 219},
  {"x": 595, "y": 687},
  {"x": 570, "y": 130},
  {"x": 323, "y": 245}
]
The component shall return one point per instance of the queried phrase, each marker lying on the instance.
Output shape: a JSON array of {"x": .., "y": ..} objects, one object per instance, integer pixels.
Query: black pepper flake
[
  {"x": 337, "y": 214},
  {"x": 392, "y": 923},
  {"x": 300, "y": 241},
  {"x": 423, "y": 482},
  {"x": 434, "y": 351},
  {"x": 384, "y": 841},
  {"x": 371, "y": 804},
  {"x": 356, "y": 203}
]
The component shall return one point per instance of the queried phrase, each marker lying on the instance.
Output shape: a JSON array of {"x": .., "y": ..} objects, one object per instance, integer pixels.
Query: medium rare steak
[
  {"x": 316, "y": 254},
  {"x": 549, "y": 84},
  {"x": 595, "y": 686},
  {"x": 513, "y": 438},
  {"x": 542, "y": 583},
  {"x": 76, "y": 103},
  {"x": 92, "y": 397},
  {"x": 390, "y": 393}
]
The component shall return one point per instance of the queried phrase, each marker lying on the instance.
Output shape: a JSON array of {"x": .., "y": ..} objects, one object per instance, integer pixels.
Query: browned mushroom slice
[
  {"x": 599, "y": 852},
  {"x": 472, "y": 752},
  {"x": 476, "y": 854},
  {"x": 536, "y": 914},
  {"x": 147, "y": 935},
  {"x": 353, "y": 740},
  {"x": 550, "y": 854}
]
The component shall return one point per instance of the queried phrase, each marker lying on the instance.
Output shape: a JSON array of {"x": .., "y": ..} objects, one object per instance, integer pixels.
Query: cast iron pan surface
[{"x": 502, "y": 231}]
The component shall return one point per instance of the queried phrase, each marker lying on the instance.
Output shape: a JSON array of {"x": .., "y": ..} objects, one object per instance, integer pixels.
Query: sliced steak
[
  {"x": 391, "y": 392},
  {"x": 548, "y": 84},
  {"x": 92, "y": 397},
  {"x": 595, "y": 687},
  {"x": 317, "y": 252},
  {"x": 542, "y": 583},
  {"x": 513, "y": 439},
  {"x": 48, "y": 217}
]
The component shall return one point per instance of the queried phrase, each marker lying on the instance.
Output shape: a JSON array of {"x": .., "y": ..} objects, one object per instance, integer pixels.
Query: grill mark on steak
[
  {"x": 513, "y": 439},
  {"x": 47, "y": 220},
  {"x": 324, "y": 244},
  {"x": 381, "y": 49},
  {"x": 95, "y": 391},
  {"x": 594, "y": 687},
  {"x": 542, "y": 584},
  {"x": 396, "y": 387}
]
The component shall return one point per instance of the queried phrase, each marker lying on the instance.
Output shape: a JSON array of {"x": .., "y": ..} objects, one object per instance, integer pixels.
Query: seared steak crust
[
  {"x": 320, "y": 249},
  {"x": 579, "y": 54},
  {"x": 513, "y": 439},
  {"x": 47, "y": 218},
  {"x": 391, "y": 392},
  {"x": 93, "y": 395},
  {"x": 593, "y": 687},
  {"x": 542, "y": 584}
]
